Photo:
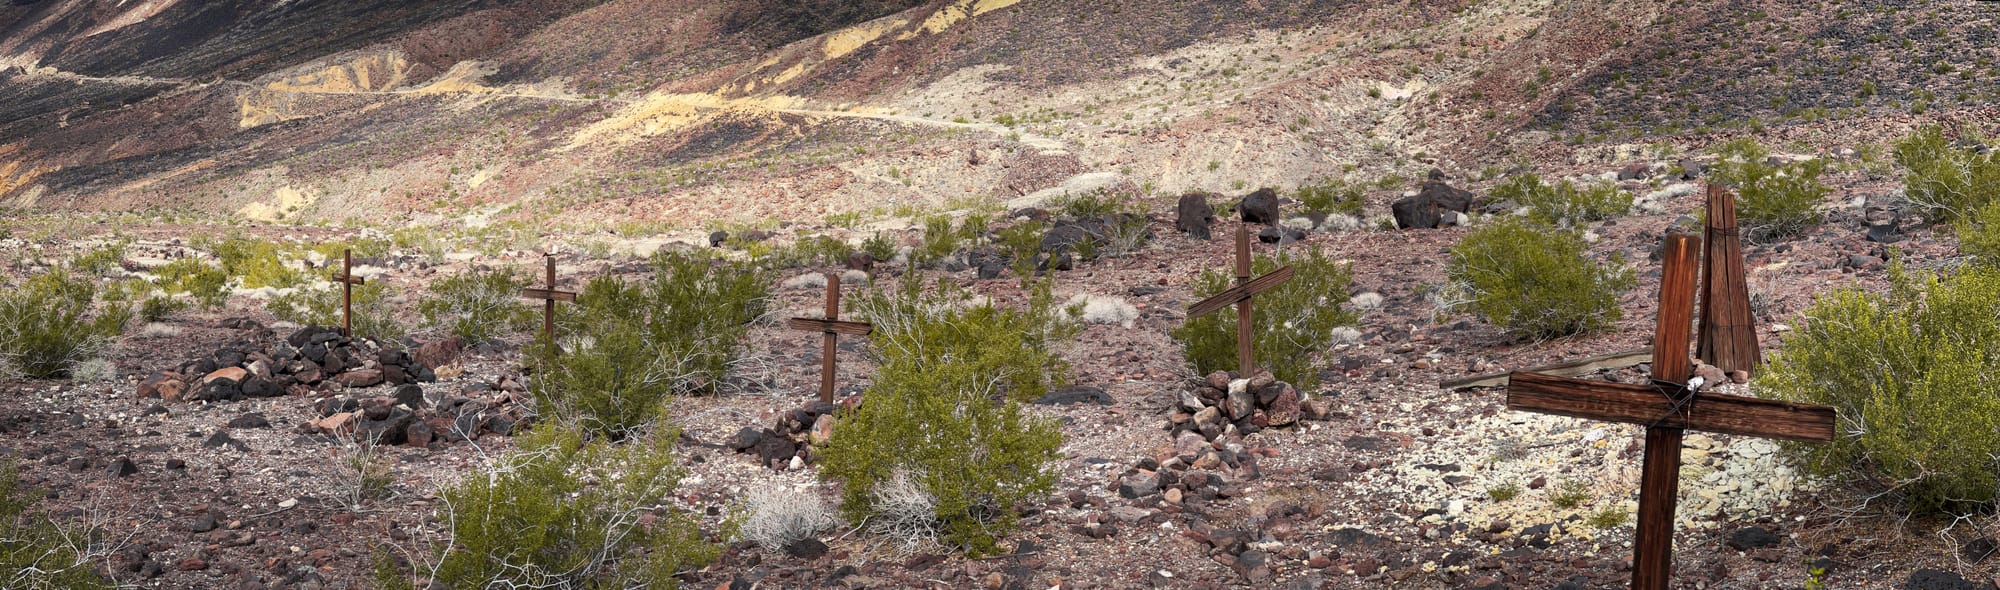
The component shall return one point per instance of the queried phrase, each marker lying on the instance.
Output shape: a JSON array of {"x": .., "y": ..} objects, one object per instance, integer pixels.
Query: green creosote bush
[
  {"x": 156, "y": 309},
  {"x": 941, "y": 240},
  {"x": 1535, "y": 281},
  {"x": 945, "y": 408},
  {"x": 1331, "y": 196},
  {"x": 206, "y": 284},
  {"x": 478, "y": 305},
  {"x": 1772, "y": 201},
  {"x": 35, "y": 551},
  {"x": 256, "y": 264},
  {"x": 100, "y": 260},
  {"x": 1946, "y": 182},
  {"x": 1293, "y": 321},
  {"x": 1114, "y": 228},
  {"x": 1909, "y": 372},
  {"x": 879, "y": 248},
  {"x": 1570, "y": 494},
  {"x": 1564, "y": 200},
  {"x": 1608, "y": 517},
  {"x": 566, "y": 512},
  {"x": 46, "y": 325},
  {"x": 320, "y": 305},
  {"x": 1022, "y": 243},
  {"x": 1504, "y": 492},
  {"x": 1979, "y": 234},
  {"x": 627, "y": 346}
]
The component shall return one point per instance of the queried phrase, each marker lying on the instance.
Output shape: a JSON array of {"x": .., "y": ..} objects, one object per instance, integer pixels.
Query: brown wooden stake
[
  {"x": 1727, "y": 336},
  {"x": 549, "y": 296},
  {"x": 1667, "y": 408},
  {"x": 830, "y": 328},
  {"x": 347, "y": 282},
  {"x": 1240, "y": 295}
]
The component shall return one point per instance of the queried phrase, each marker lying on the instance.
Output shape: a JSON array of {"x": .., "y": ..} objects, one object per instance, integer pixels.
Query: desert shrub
[
  {"x": 822, "y": 251},
  {"x": 1946, "y": 182},
  {"x": 477, "y": 305},
  {"x": 632, "y": 344},
  {"x": 100, "y": 260},
  {"x": 156, "y": 309},
  {"x": 1504, "y": 492},
  {"x": 1979, "y": 234},
  {"x": 1331, "y": 196},
  {"x": 46, "y": 325},
  {"x": 1570, "y": 494},
  {"x": 778, "y": 517},
  {"x": 36, "y": 552},
  {"x": 566, "y": 512},
  {"x": 422, "y": 240},
  {"x": 320, "y": 305},
  {"x": 879, "y": 248},
  {"x": 207, "y": 284},
  {"x": 1536, "y": 281},
  {"x": 256, "y": 263},
  {"x": 1114, "y": 228},
  {"x": 1088, "y": 205},
  {"x": 1022, "y": 242},
  {"x": 904, "y": 514},
  {"x": 945, "y": 410},
  {"x": 1564, "y": 200},
  {"x": 1294, "y": 321},
  {"x": 941, "y": 240},
  {"x": 1773, "y": 201},
  {"x": 1910, "y": 372}
]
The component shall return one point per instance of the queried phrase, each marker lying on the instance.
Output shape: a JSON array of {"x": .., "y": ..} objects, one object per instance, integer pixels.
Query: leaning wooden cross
[
  {"x": 1240, "y": 295},
  {"x": 549, "y": 296},
  {"x": 347, "y": 282},
  {"x": 831, "y": 327},
  {"x": 1666, "y": 408}
]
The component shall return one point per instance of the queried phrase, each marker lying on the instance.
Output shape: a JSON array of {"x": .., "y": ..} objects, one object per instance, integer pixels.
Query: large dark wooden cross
[
  {"x": 549, "y": 296},
  {"x": 1239, "y": 296},
  {"x": 347, "y": 282},
  {"x": 1667, "y": 407},
  {"x": 831, "y": 327}
]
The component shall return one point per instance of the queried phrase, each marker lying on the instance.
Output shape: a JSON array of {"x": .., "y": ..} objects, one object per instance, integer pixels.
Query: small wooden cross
[
  {"x": 347, "y": 282},
  {"x": 1666, "y": 408},
  {"x": 549, "y": 297},
  {"x": 1727, "y": 336},
  {"x": 831, "y": 327},
  {"x": 1240, "y": 295}
]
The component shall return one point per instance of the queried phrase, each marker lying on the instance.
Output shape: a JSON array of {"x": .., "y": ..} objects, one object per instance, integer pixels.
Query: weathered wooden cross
[
  {"x": 1240, "y": 295},
  {"x": 831, "y": 327},
  {"x": 549, "y": 296},
  {"x": 1667, "y": 407},
  {"x": 1728, "y": 335},
  {"x": 347, "y": 282}
]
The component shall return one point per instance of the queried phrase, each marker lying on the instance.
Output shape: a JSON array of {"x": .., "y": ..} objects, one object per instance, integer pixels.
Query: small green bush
[
  {"x": 46, "y": 328},
  {"x": 1331, "y": 196},
  {"x": 35, "y": 551},
  {"x": 1023, "y": 243},
  {"x": 1088, "y": 205},
  {"x": 1570, "y": 494},
  {"x": 478, "y": 305},
  {"x": 1536, "y": 281},
  {"x": 564, "y": 512},
  {"x": 879, "y": 248},
  {"x": 941, "y": 240},
  {"x": 945, "y": 409},
  {"x": 1564, "y": 201},
  {"x": 1504, "y": 492},
  {"x": 1609, "y": 517},
  {"x": 100, "y": 261},
  {"x": 256, "y": 263},
  {"x": 1946, "y": 182},
  {"x": 207, "y": 284},
  {"x": 1910, "y": 373},
  {"x": 320, "y": 305},
  {"x": 158, "y": 308},
  {"x": 1979, "y": 234},
  {"x": 1294, "y": 321},
  {"x": 630, "y": 345},
  {"x": 1773, "y": 201}
]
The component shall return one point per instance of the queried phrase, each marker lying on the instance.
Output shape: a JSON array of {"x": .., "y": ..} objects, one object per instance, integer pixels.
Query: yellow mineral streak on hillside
[
  {"x": 945, "y": 17},
  {"x": 463, "y": 77},
  {"x": 143, "y": 183},
  {"x": 138, "y": 14},
  {"x": 288, "y": 200},
  {"x": 842, "y": 42},
  {"x": 374, "y": 72},
  {"x": 15, "y": 171},
  {"x": 662, "y": 113},
  {"x": 264, "y": 107}
]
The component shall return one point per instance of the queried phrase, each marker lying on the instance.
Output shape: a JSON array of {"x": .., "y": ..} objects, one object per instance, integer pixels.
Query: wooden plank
[
  {"x": 1728, "y": 335},
  {"x": 341, "y": 277},
  {"x": 1240, "y": 292},
  {"x": 1640, "y": 404},
  {"x": 834, "y": 326},
  {"x": 1616, "y": 360},
  {"x": 550, "y": 294}
]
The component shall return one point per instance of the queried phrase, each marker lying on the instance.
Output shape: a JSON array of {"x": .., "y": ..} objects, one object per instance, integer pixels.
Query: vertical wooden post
[
  {"x": 549, "y": 305},
  {"x": 1244, "y": 356},
  {"x": 827, "y": 340},
  {"x": 1728, "y": 335},
  {"x": 1659, "y": 481},
  {"x": 347, "y": 292}
]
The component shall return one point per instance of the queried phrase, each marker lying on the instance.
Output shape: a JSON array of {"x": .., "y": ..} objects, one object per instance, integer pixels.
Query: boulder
[
  {"x": 1260, "y": 207},
  {"x": 1930, "y": 579},
  {"x": 439, "y": 353},
  {"x": 411, "y": 396},
  {"x": 1426, "y": 209},
  {"x": 261, "y": 387},
  {"x": 1241, "y": 401},
  {"x": 1285, "y": 410},
  {"x": 1193, "y": 215},
  {"x": 822, "y": 429},
  {"x": 1082, "y": 394},
  {"x": 359, "y": 378}
]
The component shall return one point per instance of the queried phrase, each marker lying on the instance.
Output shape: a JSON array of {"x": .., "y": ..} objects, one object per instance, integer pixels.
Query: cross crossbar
[
  {"x": 830, "y": 326},
  {"x": 539, "y": 293},
  {"x": 1240, "y": 293},
  {"x": 1644, "y": 405}
]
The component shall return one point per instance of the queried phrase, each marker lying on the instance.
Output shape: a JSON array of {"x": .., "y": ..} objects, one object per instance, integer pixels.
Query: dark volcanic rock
[
  {"x": 1260, "y": 207},
  {"x": 1747, "y": 538},
  {"x": 1193, "y": 215},
  {"x": 1426, "y": 210},
  {"x": 1076, "y": 395},
  {"x": 1930, "y": 579}
]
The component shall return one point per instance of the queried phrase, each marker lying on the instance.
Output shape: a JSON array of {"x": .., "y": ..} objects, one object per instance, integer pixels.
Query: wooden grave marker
[
  {"x": 1727, "y": 337},
  {"x": 1667, "y": 408},
  {"x": 832, "y": 327},
  {"x": 549, "y": 296},
  {"x": 1240, "y": 295},
  {"x": 347, "y": 282}
]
